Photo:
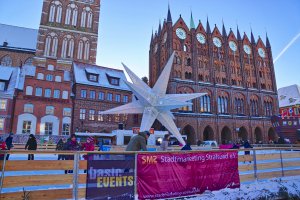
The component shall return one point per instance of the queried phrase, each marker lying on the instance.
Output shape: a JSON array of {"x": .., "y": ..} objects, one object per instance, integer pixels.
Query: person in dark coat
[
  {"x": 71, "y": 145},
  {"x": 138, "y": 142},
  {"x": 9, "y": 143},
  {"x": 60, "y": 147},
  {"x": 247, "y": 145},
  {"x": 31, "y": 145}
]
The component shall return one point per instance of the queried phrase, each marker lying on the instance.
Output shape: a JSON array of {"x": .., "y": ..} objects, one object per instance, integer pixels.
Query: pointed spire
[
  {"x": 238, "y": 33},
  {"x": 223, "y": 30},
  {"x": 252, "y": 38},
  {"x": 208, "y": 27},
  {"x": 159, "y": 28},
  {"x": 152, "y": 36},
  {"x": 192, "y": 24},
  {"x": 267, "y": 42},
  {"x": 169, "y": 18}
]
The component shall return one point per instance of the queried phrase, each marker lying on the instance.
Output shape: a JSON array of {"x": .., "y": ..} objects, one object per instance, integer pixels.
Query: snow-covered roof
[
  {"x": 18, "y": 37},
  {"x": 80, "y": 70},
  {"x": 6, "y": 73},
  {"x": 289, "y": 96},
  {"x": 26, "y": 70},
  {"x": 10, "y": 74}
]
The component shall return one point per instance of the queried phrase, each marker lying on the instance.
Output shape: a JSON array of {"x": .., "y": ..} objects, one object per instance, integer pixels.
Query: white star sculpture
[{"x": 155, "y": 103}]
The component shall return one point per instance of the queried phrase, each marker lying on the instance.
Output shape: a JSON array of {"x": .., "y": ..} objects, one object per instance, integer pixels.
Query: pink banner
[{"x": 167, "y": 175}]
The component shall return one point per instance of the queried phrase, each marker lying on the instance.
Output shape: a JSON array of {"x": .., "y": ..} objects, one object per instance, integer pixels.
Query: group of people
[{"x": 6, "y": 145}]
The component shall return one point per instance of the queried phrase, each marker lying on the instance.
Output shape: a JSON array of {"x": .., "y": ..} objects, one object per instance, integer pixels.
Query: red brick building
[
  {"x": 97, "y": 89},
  {"x": 43, "y": 105},
  {"x": 68, "y": 32},
  {"x": 9, "y": 83},
  {"x": 236, "y": 73}
]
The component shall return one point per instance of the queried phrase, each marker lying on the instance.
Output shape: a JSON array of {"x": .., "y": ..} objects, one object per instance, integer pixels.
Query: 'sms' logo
[{"x": 149, "y": 160}]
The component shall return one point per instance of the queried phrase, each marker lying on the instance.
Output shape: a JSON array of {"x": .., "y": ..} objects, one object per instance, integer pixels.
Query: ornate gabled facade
[{"x": 237, "y": 74}]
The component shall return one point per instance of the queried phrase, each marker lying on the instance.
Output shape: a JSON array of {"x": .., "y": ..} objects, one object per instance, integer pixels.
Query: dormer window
[
  {"x": 113, "y": 80},
  {"x": 92, "y": 75}
]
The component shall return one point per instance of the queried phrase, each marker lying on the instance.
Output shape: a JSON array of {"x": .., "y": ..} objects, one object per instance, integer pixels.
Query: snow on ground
[{"x": 254, "y": 190}]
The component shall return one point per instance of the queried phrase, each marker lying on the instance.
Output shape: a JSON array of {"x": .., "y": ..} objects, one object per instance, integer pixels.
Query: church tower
[{"x": 68, "y": 32}]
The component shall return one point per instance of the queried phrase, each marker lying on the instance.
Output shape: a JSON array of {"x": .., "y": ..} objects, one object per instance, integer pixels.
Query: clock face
[
  {"x": 247, "y": 49},
  {"x": 165, "y": 38},
  {"x": 155, "y": 48},
  {"x": 232, "y": 46},
  {"x": 217, "y": 42},
  {"x": 180, "y": 33},
  {"x": 201, "y": 38},
  {"x": 261, "y": 52}
]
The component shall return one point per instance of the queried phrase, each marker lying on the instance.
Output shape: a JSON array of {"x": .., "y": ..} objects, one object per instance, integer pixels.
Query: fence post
[
  {"x": 282, "y": 171},
  {"x": 75, "y": 175},
  {"x": 135, "y": 174},
  {"x": 2, "y": 173},
  {"x": 255, "y": 164}
]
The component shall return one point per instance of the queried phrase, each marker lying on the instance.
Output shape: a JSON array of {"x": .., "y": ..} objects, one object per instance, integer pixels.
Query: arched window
[
  {"x": 55, "y": 12},
  {"x": 268, "y": 109},
  {"x": 86, "y": 18},
  {"x": 71, "y": 15},
  {"x": 86, "y": 50},
  {"x": 28, "y": 61},
  {"x": 67, "y": 47},
  {"x": 222, "y": 105},
  {"x": 6, "y": 61},
  {"x": 40, "y": 76},
  {"x": 29, "y": 90},
  {"x": 90, "y": 19},
  {"x": 80, "y": 49},
  {"x": 205, "y": 104},
  {"x": 51, "y": 45}
]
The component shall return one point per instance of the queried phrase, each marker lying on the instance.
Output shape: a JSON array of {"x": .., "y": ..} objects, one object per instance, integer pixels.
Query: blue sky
[{"x": 126, "y": 26}]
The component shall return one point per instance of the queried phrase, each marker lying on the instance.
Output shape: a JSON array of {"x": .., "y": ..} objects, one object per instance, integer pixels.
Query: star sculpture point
[{"x": 154, "y": 103}]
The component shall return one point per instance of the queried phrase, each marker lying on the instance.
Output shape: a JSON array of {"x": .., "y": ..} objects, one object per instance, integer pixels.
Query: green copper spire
[{"x": 192, "y": 24}]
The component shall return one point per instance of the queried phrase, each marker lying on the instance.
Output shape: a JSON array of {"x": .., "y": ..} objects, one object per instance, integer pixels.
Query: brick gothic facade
[
  {"x": 68, "y": 32},
  {"x": 236, "y": 73}
]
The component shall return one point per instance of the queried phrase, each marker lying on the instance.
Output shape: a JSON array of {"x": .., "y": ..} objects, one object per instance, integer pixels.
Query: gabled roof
[
  {"x": 289, "y": 96},
  {"x": 10, "y": 74},
  {"x": 80, "y": 76},
  {"x": 18, "y": 37}
]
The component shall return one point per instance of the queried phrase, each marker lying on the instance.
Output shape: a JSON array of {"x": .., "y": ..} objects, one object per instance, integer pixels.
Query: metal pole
[
  {"x": 2, "y": 173},
  {"x": 75, "y": 175},
  {"x": 135, "y": 174},
  {"x": 255, "y": 164},
  {"x": 282, "y": 171}
]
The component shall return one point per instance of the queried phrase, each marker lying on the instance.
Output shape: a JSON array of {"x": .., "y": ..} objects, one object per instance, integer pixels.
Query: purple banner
[{"x": 110, "y": 177}]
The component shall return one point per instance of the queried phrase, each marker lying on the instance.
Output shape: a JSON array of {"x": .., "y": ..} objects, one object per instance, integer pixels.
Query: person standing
[
  {"x": 31, "y": 145},
  {"x": 2, "y": 147},
  {"x": 165, "y": 143},
  {"x": 247, "y": 145},
  {"x": 89, "y": 145},
  {"x": 71, "y": 145},
  {"x": 60, "y": 147},
  {"x": 138, "y": 142},
  {"x": 9, "y": 143}
]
